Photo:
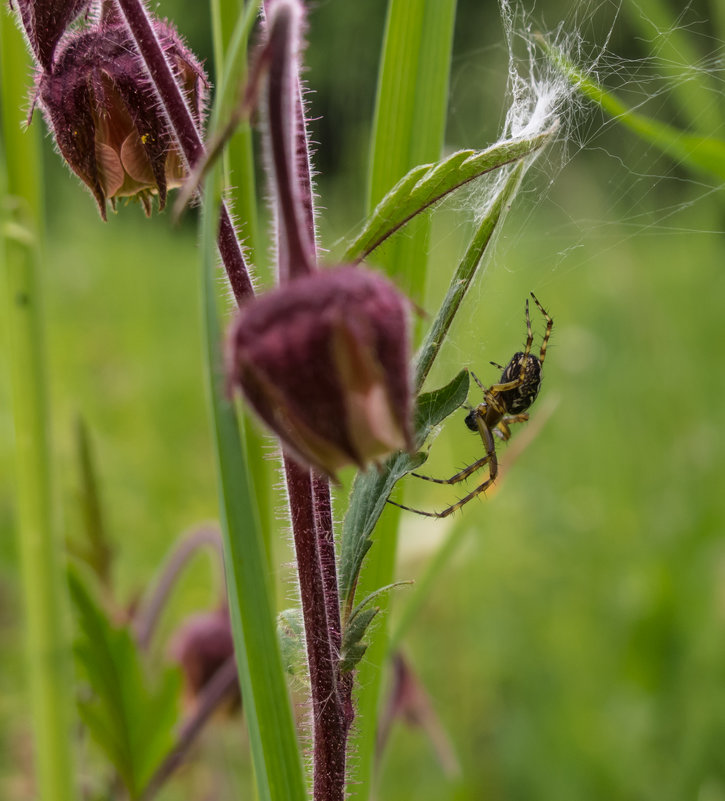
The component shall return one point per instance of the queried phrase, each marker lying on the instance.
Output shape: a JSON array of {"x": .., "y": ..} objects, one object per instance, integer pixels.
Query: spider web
[{"x": 679, "y": 81}]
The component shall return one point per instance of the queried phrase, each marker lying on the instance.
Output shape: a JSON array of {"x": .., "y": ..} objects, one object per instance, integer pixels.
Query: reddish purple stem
[
  {"x": 309, "y": 493},
  {"x": 186, "y": 133}
]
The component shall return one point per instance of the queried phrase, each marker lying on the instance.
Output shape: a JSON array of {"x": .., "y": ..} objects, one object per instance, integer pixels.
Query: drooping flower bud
[
  {"x": 201, "y": 646},
  {"x": 324, "y": 361},
  {"x": 45, "y": 21},
  {"x": 106, "y": 118}
]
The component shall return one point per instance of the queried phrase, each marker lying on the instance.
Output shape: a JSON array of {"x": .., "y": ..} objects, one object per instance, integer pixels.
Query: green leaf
[
  {"x": 353, "y": 649},
  {"x": 428, "y": 183},
  {"x": 131, "y": 720},
  {"x": 94, "y": 548},
  {"x": 700, "y": 153},
  {"x": 410, "y": 118},
  {"x": 372, "y": 488}
]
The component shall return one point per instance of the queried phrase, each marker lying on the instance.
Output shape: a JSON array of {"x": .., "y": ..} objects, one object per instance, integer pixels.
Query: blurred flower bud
[
  {"x": 106, "y": 117},
  {"x": 202, "y": 646},
  {"x": 45, "y": 21},
  {"x": 324, "y": 361}
]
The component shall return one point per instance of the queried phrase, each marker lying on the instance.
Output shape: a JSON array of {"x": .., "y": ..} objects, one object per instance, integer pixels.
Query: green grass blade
[
  {"x": 275, "y": 752},
  {"x": 39, "y": 540},
  {"x": 232, "y": 22},
  {"x": 677, "y": 53},
  {"x": 426, "y": 184},
  {"x": 231, "y": 26},
  {"x": 410, "y": 117},
  {"x": 700, "y": 153}
]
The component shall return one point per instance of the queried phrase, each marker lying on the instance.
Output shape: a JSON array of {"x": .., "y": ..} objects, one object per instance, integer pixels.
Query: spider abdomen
[{"x": 519, "y": 399}]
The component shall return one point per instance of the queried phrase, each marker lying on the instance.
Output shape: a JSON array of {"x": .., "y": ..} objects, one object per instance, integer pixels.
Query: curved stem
[
  {"x": 187, "y": 135},
  {"x": 148, "y": 615}
]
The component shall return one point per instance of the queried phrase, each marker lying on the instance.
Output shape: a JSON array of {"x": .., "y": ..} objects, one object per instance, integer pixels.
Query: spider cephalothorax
[{"x": 503, "y": 403}]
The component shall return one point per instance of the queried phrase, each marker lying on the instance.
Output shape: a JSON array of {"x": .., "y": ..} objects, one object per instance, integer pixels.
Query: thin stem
[
  {"x": 148, "y": 615},
  {"x": 309, "y": 495},
  {"x": 465, "y": 274},
  {"x": 186, "y": 133},
  {"x": 295, "y": 246},
  {"x": 329, "y": 724},
  {"x": 328, "y": 561}
]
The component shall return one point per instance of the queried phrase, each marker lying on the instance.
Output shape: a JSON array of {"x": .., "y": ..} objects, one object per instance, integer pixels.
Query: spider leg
[
  {"x": 547, "y": 333},
  {"x": 489, "y": 458},
  {"x": 496, "y": 364},
  {"x": 502, "y": 430},
  {"x": 460, "y": 476},
  {"x": 477, "y": 380}
]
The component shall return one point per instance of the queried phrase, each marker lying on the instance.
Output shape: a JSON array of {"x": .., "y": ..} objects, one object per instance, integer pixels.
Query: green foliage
[
  {"x": 354, "y": 629},
  {"x": 130, "y": 719},
  {"x": 273, "y": 739},
  {"x": 699, "y": 153},
  {"x": 428, "y": 183},
  {"x": 372, "y": 488}
]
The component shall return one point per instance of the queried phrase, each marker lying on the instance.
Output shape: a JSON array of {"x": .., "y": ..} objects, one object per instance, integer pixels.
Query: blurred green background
[{"x": 574, "y": 647}]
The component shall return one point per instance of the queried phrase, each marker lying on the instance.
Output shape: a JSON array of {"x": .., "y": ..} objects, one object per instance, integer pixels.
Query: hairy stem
[
  {"x": 309, "y": 494},
  {"x": 328, "y": 719},
  {"x": 187, "y": 135}
]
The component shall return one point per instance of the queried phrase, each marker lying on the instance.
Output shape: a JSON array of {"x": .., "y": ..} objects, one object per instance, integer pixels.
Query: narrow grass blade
[
  {"x": 410, "y": 115},
  {"x": 700, "y": 153},
  {"x": 275, "y": 751},
  {"x": 39, "y": 541},
  {"x": 232, "y": 22},
  {"x": 695, "y": 90}
]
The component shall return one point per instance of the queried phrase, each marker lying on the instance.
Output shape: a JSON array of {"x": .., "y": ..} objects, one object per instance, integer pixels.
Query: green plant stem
[
  {"x": 39, "y": 543},
  {"x": 465, "y": 274}
]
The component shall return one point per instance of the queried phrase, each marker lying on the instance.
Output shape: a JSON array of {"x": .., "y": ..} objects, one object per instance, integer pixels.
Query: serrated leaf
[
  {"x": 371, "y": 489},
  {"x": 428, "y": 183},
  {"x": 353, "y": 648},
  {"x": 130, "y": 719}
]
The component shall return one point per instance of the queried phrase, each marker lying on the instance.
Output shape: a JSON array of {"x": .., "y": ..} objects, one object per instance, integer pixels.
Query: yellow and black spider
[{"x": 503, "y": 403}]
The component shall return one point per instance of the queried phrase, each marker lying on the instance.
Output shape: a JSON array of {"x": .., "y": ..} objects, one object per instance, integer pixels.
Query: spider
[{"x": 503, "y": 404}]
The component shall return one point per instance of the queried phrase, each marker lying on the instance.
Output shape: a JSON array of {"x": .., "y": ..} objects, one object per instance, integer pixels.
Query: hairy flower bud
[
  {"x": 324, "y": 361},
  {"x": 106, "y": 118},
  {"x": 201, "y": 646},
  {"x": 45, "y": 21}
]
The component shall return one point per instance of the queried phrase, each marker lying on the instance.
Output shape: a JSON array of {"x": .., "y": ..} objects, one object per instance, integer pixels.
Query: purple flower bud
[
  {"x": 45, "y": 21},
  {"x": 324, "y": 361},
  {"x": 201, "y": 646},
  {"x": 106, "y": 118}
]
